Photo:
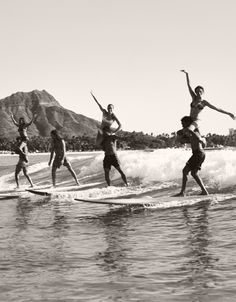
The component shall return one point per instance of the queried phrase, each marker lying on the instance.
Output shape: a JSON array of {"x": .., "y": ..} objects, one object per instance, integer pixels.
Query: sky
[{"x": 128, "y": 52}]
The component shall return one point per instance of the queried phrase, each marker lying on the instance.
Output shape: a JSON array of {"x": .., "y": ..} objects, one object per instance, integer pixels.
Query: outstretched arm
[
  {"x": 188, "y": 84},
  {"x": 101, "y": 108},
  {"x": 219, "y": 110},
  {"x": 14, "y": 121},
  {"x": 33, "y": 117}
]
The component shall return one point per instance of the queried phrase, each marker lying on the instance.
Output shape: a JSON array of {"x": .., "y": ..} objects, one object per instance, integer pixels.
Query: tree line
[{"x": 126, "y": 141}]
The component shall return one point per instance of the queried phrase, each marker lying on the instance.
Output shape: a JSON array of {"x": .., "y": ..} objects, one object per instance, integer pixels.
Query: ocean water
[{"x": 59, "y": 249}]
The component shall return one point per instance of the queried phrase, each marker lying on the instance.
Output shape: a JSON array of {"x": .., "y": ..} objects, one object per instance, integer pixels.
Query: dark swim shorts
[
  {"x": 57, "y": 162},
  {"x": 21, "y": 164},
  {"x": 111, "y": 160},
  {"x": 196, "y": 160}
]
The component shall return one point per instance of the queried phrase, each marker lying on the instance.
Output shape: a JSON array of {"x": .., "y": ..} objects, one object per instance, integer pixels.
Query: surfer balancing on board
[
  {"x": 22, "y": 150},
  {"x": 198, "y": 104},
  {"x": 108, "y": 118},
  {"x": 194, "y": 164},
  {"x": 58, "y": 147},
  {"x": 111, "y": 158}
]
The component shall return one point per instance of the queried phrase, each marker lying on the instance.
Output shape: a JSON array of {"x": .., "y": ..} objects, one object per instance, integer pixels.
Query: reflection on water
[
  {"x": 112, "y": 259},
  {"x": 200, "y": 262},
  {"x": 58, "y": 250}
]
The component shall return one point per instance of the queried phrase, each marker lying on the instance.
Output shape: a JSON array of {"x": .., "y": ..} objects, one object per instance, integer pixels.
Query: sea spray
[{"x": 162, "y": 166}]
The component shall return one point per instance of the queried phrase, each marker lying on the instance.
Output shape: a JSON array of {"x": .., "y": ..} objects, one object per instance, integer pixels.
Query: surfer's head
[
  {"x": 186, "y": 121},
  {"x": 21, "y": 121},
  {"x": 110, "y": 108},
  {"x": 55, "y": 134},
  {"x": 199, "y": 90}
]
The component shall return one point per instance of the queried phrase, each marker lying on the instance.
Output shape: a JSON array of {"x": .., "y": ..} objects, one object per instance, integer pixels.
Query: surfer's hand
[
  {"x": 182, "y": 70},
  {"x": 232, "y": 116}
]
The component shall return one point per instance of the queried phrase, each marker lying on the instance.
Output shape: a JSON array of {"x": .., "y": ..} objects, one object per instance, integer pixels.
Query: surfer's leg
[
  {"x": 69, "y": 167},
  {"x": 122, "y": 175},
  {"x": 17, "y": 172},
  {"x": 185, "y": 172},
  {"x": 54, "y": 168},
  {"x": 25, "y": 171},
  {"x": 107, "y": 177},
  {"x": 199, "y": 181}
]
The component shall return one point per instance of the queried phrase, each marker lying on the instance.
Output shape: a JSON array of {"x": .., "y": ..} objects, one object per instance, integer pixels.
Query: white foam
[{"x": 150, "y": 168}]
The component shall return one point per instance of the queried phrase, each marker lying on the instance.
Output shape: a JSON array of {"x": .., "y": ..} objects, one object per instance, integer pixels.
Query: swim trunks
[
  {"x": 21, "y": 164},
  {"x": 111, "y": 160},
  {"x": 57, "y": 162},
  {"x": 196, "y": 160}
]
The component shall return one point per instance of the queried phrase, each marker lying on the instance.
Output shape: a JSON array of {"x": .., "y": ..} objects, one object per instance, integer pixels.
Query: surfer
[
  {"x": 195, "y": 162},
  {"x": 58, "y": 147},
  {"x": 111, "y": 158},
  {"x": 22, "y": 126},
  {"x": 198, "y": 104},
  {"x": 108, "y": 118},
  {"x": 22, "y": 150}
]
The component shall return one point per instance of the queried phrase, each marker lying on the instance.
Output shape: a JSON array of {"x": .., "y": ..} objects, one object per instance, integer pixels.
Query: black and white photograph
[{"x": 117, "y": 150}]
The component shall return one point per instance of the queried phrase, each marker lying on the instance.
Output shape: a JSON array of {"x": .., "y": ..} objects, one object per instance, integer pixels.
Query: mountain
[{"x": 49, "y": 115}]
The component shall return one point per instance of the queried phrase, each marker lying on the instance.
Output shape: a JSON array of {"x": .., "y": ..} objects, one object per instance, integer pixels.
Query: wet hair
[
  {"x": 110, "y": 105},
  {"x": 55, "y": 134},
  {"x": 199, "y": 87},
  {"x": 187, "y": 120}
]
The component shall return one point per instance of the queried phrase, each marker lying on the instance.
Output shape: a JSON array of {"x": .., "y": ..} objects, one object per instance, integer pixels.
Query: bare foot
[
  {"x": 204, "y": 193},
  {"x": 179, "y": 195}
]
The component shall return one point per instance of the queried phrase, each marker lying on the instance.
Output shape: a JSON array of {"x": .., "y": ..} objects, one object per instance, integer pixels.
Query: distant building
[{"x": 232, "y": 131}]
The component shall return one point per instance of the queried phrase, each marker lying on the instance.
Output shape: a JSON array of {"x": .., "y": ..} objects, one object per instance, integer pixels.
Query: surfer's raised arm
[
  {"x": 219, "y": 109},
  {"x": 188, "y": 84},
  {"x": 99, "y": 105},
  {"x": 32, "y": 120},
  {"x": 14, "y": 121}
]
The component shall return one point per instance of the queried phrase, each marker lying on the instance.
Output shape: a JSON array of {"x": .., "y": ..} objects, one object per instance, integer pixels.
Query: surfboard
[
  {"x": 22, "y": 190},
  {"x": 161, "y": 202},
  {"x": 41, "y": 193},
  {"x": 9, "y": 196},
  {"x": 60, "y": 189}
]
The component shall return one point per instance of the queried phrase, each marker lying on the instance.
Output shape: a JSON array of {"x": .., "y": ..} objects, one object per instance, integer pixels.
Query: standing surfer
[
  {"x": 22, "y": 150},
  {"x": 58, "y": 147},
  {"x": 111, "y": 158},
  {"x": 195, "y": 162}
]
